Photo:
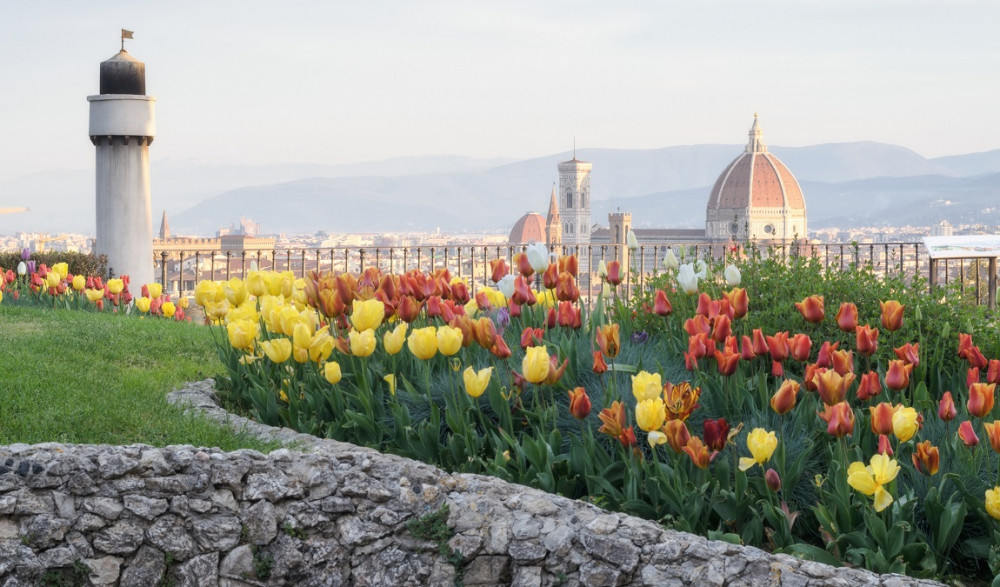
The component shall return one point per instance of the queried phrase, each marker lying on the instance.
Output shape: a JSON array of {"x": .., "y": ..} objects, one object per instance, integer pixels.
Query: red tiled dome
[{"x": 528, "y": 228}]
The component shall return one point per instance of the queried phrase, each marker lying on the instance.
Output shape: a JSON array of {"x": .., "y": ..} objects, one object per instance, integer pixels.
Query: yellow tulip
[
  {"x": 367, "y": 315},
  {"x": 362, "y": 343},
  {"x": 244, "y": 312},
  {"x": 256, "y": 284},
  {"x": 52, "y": 279},
  {"x": 235, "y": 291},
  {"x": 321, "y": 347},
  {"x": 217, "y": 310},
  {"x": 476, "y": 381},
  {"x": 423, "y": 342},
  {"x": 535, "y": 365},
  {"x": 993, "y": 502},
  {"x": 650, "y": 414},
  {"x": 393, "y": 340},
  {"x": 168, "y": 309},
  {"x": 904, "y": 423},
  {"x": 302, "y": 338},
  {"x": 449, "y": 340},
  {"x": 142, "y": 304},
  {"x": 207, "y": 291},
  {"x": 870, "y": 480},
  {"x": 94, "y": 294},
  {"x": 391, "y": 380},
  {"x": 280, "y": 284},
  {"x": 79, "y": 282},
  {"x": 332, "y": 372},
  {"x": 242, "y": 334},
  {"x": 278, "y": 350},
  {"x": 299, "y": 293},
  {"x": 61, "y": 269},
  {"x": 1, "y": 296},
  {"x": 761, "y": 444},
  {"x": 646, "y": 386},
  {"x": 115, "y": 286},
  {"x": 286, "y": 319},
  {"x": 155, "y": 290}
]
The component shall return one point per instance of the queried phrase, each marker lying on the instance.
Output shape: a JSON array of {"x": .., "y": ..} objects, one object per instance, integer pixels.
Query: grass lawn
[{"x": 85, "y": 377}]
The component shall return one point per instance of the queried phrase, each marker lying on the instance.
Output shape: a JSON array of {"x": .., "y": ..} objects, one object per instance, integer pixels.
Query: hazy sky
[{"x": 337, "y": 82}]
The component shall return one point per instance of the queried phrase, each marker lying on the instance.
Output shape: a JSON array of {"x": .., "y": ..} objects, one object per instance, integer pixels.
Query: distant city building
[
  {"x": 756, "y": 198},
  {"x": 574, "y": 193},
  {"x": 943, "y": 228},
  {"x": 553, "y": 224},
  {"x": 529, "y": 228}
]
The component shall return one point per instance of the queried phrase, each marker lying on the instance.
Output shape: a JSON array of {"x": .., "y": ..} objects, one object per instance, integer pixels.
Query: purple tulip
[
  {"x": 25, "y": 254},
  {"x": 31, "y": 266}
]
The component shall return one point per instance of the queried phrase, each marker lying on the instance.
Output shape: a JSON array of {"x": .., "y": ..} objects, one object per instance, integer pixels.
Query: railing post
[
  {"x": 229, "y": 256},
  {"x": 163, "y": 269},
  {"x": 992, "y": 284}
]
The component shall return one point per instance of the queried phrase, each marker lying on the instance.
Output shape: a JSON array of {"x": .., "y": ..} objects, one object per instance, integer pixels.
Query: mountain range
[{"x": 845, "y": 184}]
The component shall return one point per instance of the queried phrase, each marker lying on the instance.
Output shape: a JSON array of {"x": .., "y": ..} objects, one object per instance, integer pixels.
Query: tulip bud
[
  {"x": 630, "y": 241},
  {"x": 783, "y": 400},
  {"x": 506, "y": 285},
  {"x": 579, "y": 403},
  {"x": 599, "y": 365},
  {"x": 993, "y": 433},
  {"x": 22, "y": 268},
  {"x": 967, "y": 434},
  {"x": 602, "y": 269},
  {"x": 839, "y": 419},
  {"x": 884, "y": 446},
  {"x": 981, "y": 398},
  {"x": 847, "y": 317},
  {"x": 946, "y": 407},
  {"x": 538, "y": 257},
  {"x": 732, "y": 275},
  {"x": 670, "y": 260},
  {"x": 892, "y": 315},
  {"x": 773, "y": 480},
  {"x": 687, "y": 279},
  {"x": 926, "y": 458}
]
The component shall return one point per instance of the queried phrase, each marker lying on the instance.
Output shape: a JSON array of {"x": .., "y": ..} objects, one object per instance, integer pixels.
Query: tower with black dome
[{"x": 122, "y": 126}]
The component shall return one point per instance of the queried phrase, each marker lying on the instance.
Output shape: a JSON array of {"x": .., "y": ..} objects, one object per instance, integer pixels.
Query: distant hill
[{"x": 844, "y": 183}]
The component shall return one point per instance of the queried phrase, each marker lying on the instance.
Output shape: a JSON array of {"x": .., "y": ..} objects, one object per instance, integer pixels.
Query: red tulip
[
  {"x": 738, "y": 301},
  {"x": 697, "y": 324},
  {"x": 566, "y": 288},
  {"x": 746, "y": 349},
  {"x": 825, "y": 356},
  {"x": 964, "y": 344},
  {"x": 993, "y": 433},
  {"x": 839, "y": 419},
  {"x": 531, "y": 336},
  {"x": 811, "y": 309},
  {"x": 522, "y": 292},
  {"x": 809, "y": 377},
  {"x": 772, "y": 480},
  {"x": 661, "y": 305},
  {"x": 551, "y": 277},
  {"x": 946, "y": 407},
  {"x": 500, "y": 349},
  {"x": 778, "y": 346},
  {"x": 843, "y": 362},
  {"x": 579, "y": 403},
  {"x": 867, "y": 340},
  {"x": 569, "y": 315},
  {"x": 716, "y": 433},
  {"x": 882, "y": 418},
  {"x": 909, "y": 353},
  {"x": 892, "y": 315},
  {"x": 599, "y": 365},
  {"x": 550, "y": 319},
  {"x": 759, "y": 343},
  {"x": 898, "y": 375},
  {"x": 777, "y": 369},
  {"x": 705, "y": 307},
  {"x": 627, "y": 438},
  {"x": 522, "y": 264},
  {"x": 800, "y": 346},
  {"x": 884, "y": 446},
  {"x": 993, "y": 371},
  {"x": 869, "y": 386},
  {"x": 701, "y": 346},
  {"x": 614, "y": 272},
  {"x": 847, "y": 317},
  {"x": 976, "y": 358},
  {"x": 967, "y": 434},
  {"x": 727, "y": 362},
  {"x": 783, "y": 400},
  {"x": 972, "y": 376},
  {"x": 722, "y": 329}
]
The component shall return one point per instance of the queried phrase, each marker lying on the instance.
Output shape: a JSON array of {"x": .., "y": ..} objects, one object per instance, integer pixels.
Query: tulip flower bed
[{"x": 836, "y": 416}]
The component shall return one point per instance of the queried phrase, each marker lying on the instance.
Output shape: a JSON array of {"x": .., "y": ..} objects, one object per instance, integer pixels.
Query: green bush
[{"x": 79, "y": 263}]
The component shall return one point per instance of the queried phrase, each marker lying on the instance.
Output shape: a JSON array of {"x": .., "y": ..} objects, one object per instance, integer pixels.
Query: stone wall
[{"x": 333, "y": 514}]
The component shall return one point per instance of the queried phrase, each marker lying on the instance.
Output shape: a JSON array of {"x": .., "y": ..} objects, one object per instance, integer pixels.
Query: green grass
[{"x": 91, "y": 378}]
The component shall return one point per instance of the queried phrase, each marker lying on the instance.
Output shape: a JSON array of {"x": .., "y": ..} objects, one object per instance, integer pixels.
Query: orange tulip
[
  {"x": 843, "y": 362},
  {"x": 680, "y": 399},
  {"x": 993, "y": 433},
  {"x": 783, "y": 400},
  {"x": 869, "y": 387},
  {"x": 746, "y": 349},
  {"x": 967, "y": 434},
  {"x": 599, "y": 365},
  {"x": 892, "y": 315},
  {"x": 722, "y": 329},
  {"x": 847, "y": 317},
  {"x": 551, "y": 277},
  {"x": 811, "y": 309},
  {"x": 964, "y": 344},
  {"x": 867, "y": 340},
  {"x": 946, "y": 407},
  {"x": 809, "y": 377},
  {"x": 484, "y": 332},
  {"x": 882, "y": 418},
  {"x": 408, "y": 309},
  {"x": 555, "y": 370},
  {"x": 522, "y": 293},
  {"x": 614, "y": 272},
  {"x": 972, "y": 376},
  {"x": 677, "y": 434},
  {"x": 627, "y": 437},
  {"x": 778, "y": 346},
  {"x": 738, "y": 301},
  {"x": 661, "y": 305},
  {"x": 566, "y": 288},
  {"x": 531, "y": 336},
  {"x": 839, "y": 419},
  {"x": 579, "y": 403},
  {"x": 700, "y": 346},
  {"x": 909, "y": 353},
  {"x": 884, "y": 445},
  {"x": 569, "y": 315},
  {"x": 981, "y": 397},
  {"x": 800, "y": 347},
  {"x": 609, "y": 340},
  {"x": 727, "y": 362},
  {"x": 523, "y": 265},
  {"x": 697, "y": 324},
  {"x": 777, "y": 369},
  {"x": 569, "y": 264},
  {"x": 926, "y": 458},
  {"x": 699, "y": 453},
  {"x": 976, "y": 358},
  {"x": 993, "y": 371},
  {"x": 613, "y": 420},
  {"x": 832, "y": 387},
  {"x": 898, "y": 375},
  {"x": 500, "y": 349},
  {"x": 706, "y": 307},
  {"x": 759, "y": 343},
  {"x": 825, "y": 356}
]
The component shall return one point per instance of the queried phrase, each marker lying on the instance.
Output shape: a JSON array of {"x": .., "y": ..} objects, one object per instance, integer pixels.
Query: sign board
[{"x": 963, "y": 247}]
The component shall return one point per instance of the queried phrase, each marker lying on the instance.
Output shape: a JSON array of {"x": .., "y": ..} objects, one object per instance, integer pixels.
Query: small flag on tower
[{"x": 127, "y": 34}]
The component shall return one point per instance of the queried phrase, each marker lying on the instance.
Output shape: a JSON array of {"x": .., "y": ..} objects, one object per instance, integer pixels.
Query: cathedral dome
[
  {"x": 528, "y": 228},
  {"x": 756, "y": 197}
]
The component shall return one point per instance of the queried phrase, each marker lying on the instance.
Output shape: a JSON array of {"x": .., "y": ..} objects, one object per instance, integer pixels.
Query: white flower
[
  {"x": 602, "y": 269},
  {"x": 733, "y": 276},
  {"x": 670, "y": 260},
  {"x": 506, "y": 285},
  {"x": 538, "y": 257},
  {"x": 22, "y": 268},
  {"x": 630, "y": 241},
  {"x": 687, "y": 279}
]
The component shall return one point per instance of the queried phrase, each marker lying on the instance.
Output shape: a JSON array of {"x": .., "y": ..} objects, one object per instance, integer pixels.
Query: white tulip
[
  {"x": 538, "y": 257},
  {"x": 602, "y": 269},
  {"x": 506, "y": 286},
  {"x": 687, "y": 279},
  {"x": 630, "y": 241},
  {"x": 670, "y": 260},
  {"x": 22, "y": 268},
  {"x": 701, "y": 269},
  {"x": 733, "y": 276}
]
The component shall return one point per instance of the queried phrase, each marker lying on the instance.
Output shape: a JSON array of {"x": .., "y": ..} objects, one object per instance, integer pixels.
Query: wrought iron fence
[{"x": 180, "y": 270}]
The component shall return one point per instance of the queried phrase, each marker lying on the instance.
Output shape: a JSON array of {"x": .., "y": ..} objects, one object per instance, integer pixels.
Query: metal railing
[{"x": 180, "y": 271}]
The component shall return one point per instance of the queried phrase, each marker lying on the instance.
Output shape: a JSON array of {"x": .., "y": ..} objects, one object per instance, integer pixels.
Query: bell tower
[{"x": 574, "y": 204}]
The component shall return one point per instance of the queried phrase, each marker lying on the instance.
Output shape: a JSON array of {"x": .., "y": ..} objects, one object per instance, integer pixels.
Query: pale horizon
[{"x": 338, "y": 83}]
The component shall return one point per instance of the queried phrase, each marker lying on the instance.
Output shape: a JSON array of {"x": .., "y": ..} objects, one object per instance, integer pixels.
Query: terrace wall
[{"x": 332, "y": 514}]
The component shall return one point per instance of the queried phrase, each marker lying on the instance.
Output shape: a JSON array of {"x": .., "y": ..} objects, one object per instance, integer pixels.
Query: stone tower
[
  {"x": 122, "y": 126},
  {"x": 619, "y": 224},
  {"x": 164, "y": 227},
  {"x": 553, "y": 225},
  {"x": 574, "y": 205}
]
